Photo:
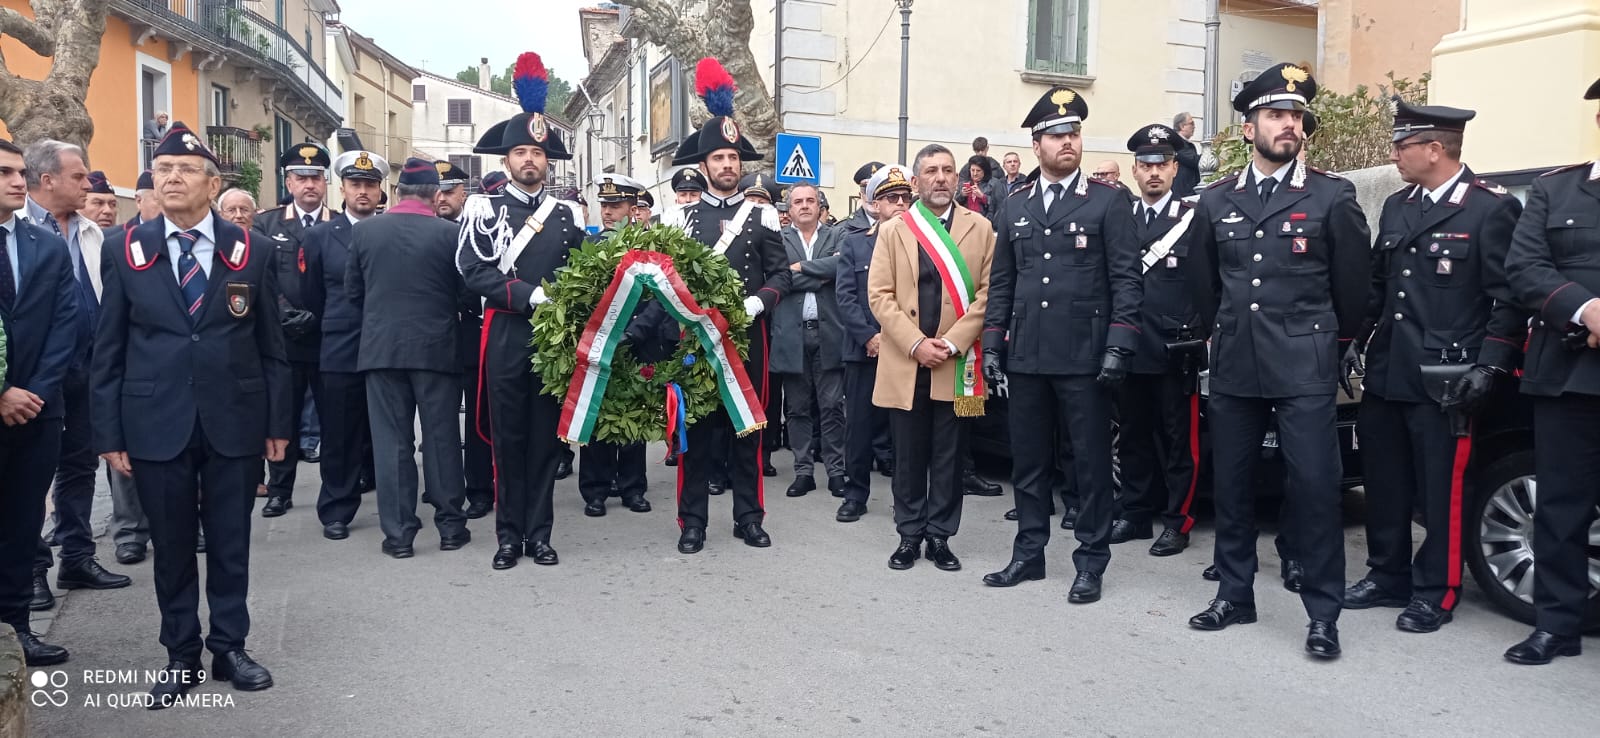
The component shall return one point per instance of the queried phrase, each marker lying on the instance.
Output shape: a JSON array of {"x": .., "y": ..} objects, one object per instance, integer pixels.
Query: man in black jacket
[
  {"x": 401, "y": 275},
  {"x": 346, "y": 434},
  {"x": 1281, "y": 262},
  {"x": 305, "y": 174},
  {"x": 1438, "y": 282},
  {"x": 1553, "y": 271},
  {"x": 191, "y": 389},
  {"x": 38, "y": 312},
  {"x": 1060, "y": 332}
]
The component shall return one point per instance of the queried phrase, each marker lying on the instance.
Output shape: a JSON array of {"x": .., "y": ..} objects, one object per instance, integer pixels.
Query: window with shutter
[
  {"x": 460, "y": 113},
  {"x": 1058, "y": 36}
]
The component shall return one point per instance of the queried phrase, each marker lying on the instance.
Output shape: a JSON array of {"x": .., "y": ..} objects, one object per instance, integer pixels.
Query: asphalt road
[{"x": 814, "y": 636}]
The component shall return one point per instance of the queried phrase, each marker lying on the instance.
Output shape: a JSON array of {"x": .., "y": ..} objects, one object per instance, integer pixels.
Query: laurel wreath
[{"x": 634, "y": 407}]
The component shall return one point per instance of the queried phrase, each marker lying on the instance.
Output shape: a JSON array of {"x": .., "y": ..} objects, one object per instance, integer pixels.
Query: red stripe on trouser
[
  {"x": 1194, "y": 455},
  {"x": 1458, "y": 475},
  {"x": 483, "y": 417}
]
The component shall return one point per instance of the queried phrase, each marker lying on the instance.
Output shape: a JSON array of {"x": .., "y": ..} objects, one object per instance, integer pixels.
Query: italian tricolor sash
[
  {"x": 640, "y": 271},
  {"x": 958, "y": 282}
]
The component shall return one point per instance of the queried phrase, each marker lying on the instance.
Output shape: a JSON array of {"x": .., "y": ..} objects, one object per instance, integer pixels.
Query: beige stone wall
[{"x": 1364, "y": 40}]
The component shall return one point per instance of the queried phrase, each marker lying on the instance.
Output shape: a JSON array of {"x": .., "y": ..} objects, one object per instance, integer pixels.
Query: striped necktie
[{"x": 191, "y": 279}]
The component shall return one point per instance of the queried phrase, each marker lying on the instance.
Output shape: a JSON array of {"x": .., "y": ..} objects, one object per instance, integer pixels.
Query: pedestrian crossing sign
[{"x": 798, "y": 158}]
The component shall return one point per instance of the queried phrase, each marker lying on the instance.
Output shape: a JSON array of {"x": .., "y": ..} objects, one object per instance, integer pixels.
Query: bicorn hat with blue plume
[
  {"x": 529, "y": 127},
  {"x": 715, "y": 87}
]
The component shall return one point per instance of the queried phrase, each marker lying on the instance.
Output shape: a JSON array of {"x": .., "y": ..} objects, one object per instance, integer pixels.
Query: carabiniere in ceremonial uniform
[
  {"x": 1440, "y": 303},
  {"x": 510, "y": 242},
  {"x": 1281, "y": 260}
]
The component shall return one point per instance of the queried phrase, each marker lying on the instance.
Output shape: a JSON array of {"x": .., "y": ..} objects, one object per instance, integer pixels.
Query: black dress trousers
[
  {"x": 604, "y": 467},
  {"x": 1567, "y": 460},
  {"x": 346, "y": 446},
  {"x": 28, "y": 455},
  {"x": 929, "y": 443},
  {"x": 1081, "y": 409}
]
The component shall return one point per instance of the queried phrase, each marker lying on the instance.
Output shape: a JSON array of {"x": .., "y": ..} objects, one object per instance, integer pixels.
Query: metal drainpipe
[
  {"x": 905, "y": 73},
  {"x": 777, "y": 62},
  {"x": 1213, "y": 56}
]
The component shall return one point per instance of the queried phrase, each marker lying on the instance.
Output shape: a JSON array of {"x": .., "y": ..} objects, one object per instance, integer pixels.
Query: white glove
[
  {"x": 754, "y": 306},
  {"x": 538, "y": 298}
]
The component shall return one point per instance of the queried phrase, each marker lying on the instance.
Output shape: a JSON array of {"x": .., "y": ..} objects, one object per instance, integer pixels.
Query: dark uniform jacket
[
  {"x": 788, "y": 324},
  {"x": 1281, "y": 283},
  {"x": 41, "y": 328},
  {"x": 1436, "y": 277},
  {"x": 402, "y": 276},
  {"x": 488, "y": 218},
  {"x": 756, "y": 253},
  {"x": 858, "y": 323},
  {"x": 469, "y": 321},
  {"x": 327, "y": 249},
  {"x": 1554, "y": 268},
  {"x": 155, "y": 373},
  {"x": 1064, "y": 285},
  {"x": 1167, "y": 314},
  {"x": 858, "y": 222},
  {"x": 284, "y": 233}
]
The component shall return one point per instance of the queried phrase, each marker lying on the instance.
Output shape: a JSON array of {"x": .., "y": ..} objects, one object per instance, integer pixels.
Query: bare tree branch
[{"x": 19, "y": 27}]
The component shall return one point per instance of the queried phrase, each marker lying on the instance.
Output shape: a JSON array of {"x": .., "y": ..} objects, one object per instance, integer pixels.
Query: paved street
[{"x": 814, "y": 636}]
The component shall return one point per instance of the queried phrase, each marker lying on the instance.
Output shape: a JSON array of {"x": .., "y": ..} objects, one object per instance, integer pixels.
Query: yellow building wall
[
  {"x": 1244, "y": 42},
  {"x": 113, "y": 99},
  {"x": 1364, "y": 40},
  {"x": 1524, "y": 66}
]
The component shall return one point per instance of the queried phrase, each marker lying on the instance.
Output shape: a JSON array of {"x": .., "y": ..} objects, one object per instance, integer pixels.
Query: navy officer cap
[
  {"x": 1060, "y": 110},
  {"x": 1410, "y": 120},
  {"x": 1283, "y": 87},
  {"x": 1156, "y": 144}
]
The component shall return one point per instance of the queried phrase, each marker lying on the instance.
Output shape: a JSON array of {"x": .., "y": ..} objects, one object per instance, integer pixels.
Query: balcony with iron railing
[{"x": 234, "y": 147}]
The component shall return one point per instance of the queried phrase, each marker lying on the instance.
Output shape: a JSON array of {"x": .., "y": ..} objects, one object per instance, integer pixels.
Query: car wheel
[{"x": 1499, "y": 539}]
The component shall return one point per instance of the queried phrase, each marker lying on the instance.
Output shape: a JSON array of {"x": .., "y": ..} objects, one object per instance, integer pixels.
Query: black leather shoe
[
  {"x": 276, "y": 506},
  {"x": 311, "y": 456},
  {"x": 800, "y": 486},
  {"x": 1422, "y": 616},
  {"x": 1543, "y": 647},
  {"x": 836, "y": 485},
  {"x": 885, "y": 467},
  {"x": 972, "y": 484},
  {"x": 1016, "y": 573},
  {"x": 130, "y": 553},
  {"x": 175, "y": 681},
  {"x": 906, "y": 554},
  {"x": 1323, "y": 639},
  {"x": 850, "y": 511},
  {"x": 1367, "y": 593},
  {"x": 1169, "y": 543},
  {"x": 716, "y": 488},
  {"x": 563, "y": 469},
  {"x": 1222, "y": 614},
  {"x": 768, "y": 470},
  {"x": 89, "y": 574},
  {"x": 940, "y": 554},
  {"x": 1123, "y": 531},
  {"x": 1293, "y": 574},
  {"x": 1211, "y": 574},
  {"x": 477, "y": 510},
  {"x": 1085, "y": 588},
  {"x": 595, "y": 509},
  {"x": 1011, "y": 514},
  {"x": 398, "y": 550},
  {"x": 636, "y": 504},
  {"x": 542, "y": 554},
  {"x": 691, "y": 540},
  {"x": 38, "y": 653},
  {"x": 455, "y": 542},
  {"x": 335, "y": 531},
  {"x": 672, "y": 460},
  {"x": 1069, "y": 519},
  {"x": 43, "y": 598},
  {"x": 753, "y": 535},
  {"x": 236, "y": 666},
  {"x": 506, "y": 556}
]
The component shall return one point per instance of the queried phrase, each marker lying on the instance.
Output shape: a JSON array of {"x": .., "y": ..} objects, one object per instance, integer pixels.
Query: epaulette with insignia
[
  {"x": 1103, "y": 183},
  {"x": 1228, "y": 180},
  {"x": 1492, "y": 187},
  {"x": 1023, "y": 190},
  {"x": 1566, "y": 168}
]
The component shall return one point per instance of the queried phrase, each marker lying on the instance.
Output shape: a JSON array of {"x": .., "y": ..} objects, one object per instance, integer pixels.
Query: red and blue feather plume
[
  {"x": 715, "y": 86},
  {"x": 531, "y": 82}
]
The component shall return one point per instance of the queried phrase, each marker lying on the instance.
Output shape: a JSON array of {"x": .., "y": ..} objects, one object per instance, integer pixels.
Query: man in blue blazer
[
  {"x": 38, "y": 314},
  {"x": 191, "y": 389},
  {"x": 346, "y": 434}
]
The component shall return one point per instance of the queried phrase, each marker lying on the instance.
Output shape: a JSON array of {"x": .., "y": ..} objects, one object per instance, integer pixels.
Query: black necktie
[
  {"x": 1427, "y": 202},
  {"x": 307, "y": 220},
  {"x": 1056, "y": 193},
  {"x": 191, "y": 278},
  {"x": 1149, "y": 216},
  {"x": 1267, "y": 186},
  {"x": 8, "y": 279}
]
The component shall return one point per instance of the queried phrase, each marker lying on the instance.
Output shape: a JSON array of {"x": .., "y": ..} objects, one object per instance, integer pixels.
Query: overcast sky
[{"x": 447, "y": 36}]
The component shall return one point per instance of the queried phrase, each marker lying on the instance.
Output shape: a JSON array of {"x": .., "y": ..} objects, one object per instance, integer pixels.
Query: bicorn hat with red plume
[
  {"x": 529, "y": 127},
  {"x": 715, "y": 87}
]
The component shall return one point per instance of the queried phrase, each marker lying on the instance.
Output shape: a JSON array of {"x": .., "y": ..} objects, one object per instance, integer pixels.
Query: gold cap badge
[
  {"x": 363, "y": 161},
  {"x": 1293, "y": 74},
  {"x": 1062, "y": 98},
  {"x": 308, "y": 153}
]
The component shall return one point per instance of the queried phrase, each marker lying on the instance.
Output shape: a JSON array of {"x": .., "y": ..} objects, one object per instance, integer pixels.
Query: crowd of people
[{"x": 182, "y": 345}]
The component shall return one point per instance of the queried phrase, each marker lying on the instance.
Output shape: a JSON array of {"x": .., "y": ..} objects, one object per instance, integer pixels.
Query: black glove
[
  {"x": 1349, "y": 365},
  {"x": 298, "y": 323},
  {"x": 994, "y": 367},
  {"x": 1114, "y": 367},
  {"x": 1472, "y": 389}
]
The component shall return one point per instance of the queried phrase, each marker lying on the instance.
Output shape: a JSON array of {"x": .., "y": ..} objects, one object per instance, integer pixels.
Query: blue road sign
[{"x": 798, "y": 159}]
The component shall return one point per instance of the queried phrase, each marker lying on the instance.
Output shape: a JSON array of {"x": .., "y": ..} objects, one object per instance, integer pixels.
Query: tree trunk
[
  {"x": 722, "y": 31},
  {"x": 69, "y": 33}
]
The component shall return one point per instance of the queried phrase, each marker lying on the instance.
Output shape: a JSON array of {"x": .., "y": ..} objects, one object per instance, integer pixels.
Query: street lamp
[
  {"x": 905, "y": 72},
  {"x": 597, "y": 125}
]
